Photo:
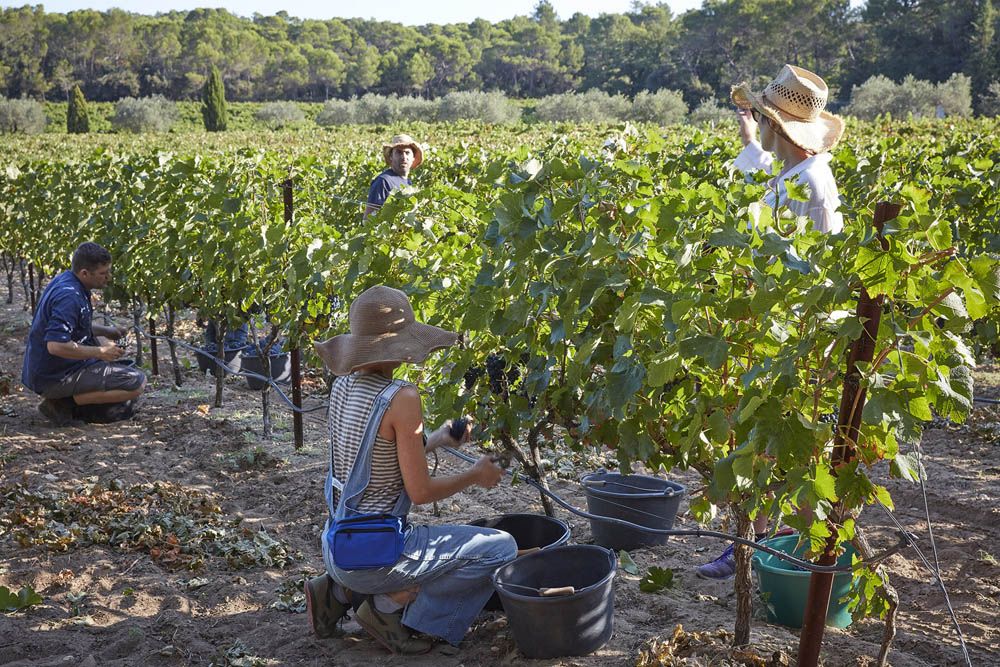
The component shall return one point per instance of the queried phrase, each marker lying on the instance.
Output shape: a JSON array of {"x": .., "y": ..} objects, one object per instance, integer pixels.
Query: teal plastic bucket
[{"x": 784, "y": 587}]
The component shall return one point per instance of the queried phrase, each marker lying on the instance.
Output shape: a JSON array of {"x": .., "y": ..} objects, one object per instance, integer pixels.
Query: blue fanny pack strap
[{"x": 350, "y": 493}]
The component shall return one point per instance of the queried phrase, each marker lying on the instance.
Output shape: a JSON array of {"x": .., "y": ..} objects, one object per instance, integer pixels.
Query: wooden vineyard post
[
  {"x": 31, "y": 283},
  {"x": 297, "y": 396},
  {"x": 154, "y": 359},
  {"x": 852, "y": 402},
  {"x": 286, "y": 189}
]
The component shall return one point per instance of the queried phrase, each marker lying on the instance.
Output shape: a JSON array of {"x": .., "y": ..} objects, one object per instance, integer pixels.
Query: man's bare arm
[
  {"x": 114, "y": 333},
  {"x": 77, "y": 352}
]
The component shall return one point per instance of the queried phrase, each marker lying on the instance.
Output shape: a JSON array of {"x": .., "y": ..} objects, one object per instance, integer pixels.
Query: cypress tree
[
  {"x": 213, "y": 103},
  {"x": 77, "y": 118}
]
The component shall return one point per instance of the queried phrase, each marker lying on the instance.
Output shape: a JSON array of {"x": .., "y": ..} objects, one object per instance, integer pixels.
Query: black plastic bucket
[
  {"x": 281, "y": 369},
  {"x": 550, "y": 627},
  {"x": 530, "y": 531},
  {"x": 640, "y": 499},
  {"x": 207, "y": 363}
]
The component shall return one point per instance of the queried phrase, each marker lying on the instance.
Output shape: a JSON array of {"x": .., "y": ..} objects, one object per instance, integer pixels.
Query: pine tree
[
  {"x": 213, "y": 103},
  {"x": 77, "y": 118}
]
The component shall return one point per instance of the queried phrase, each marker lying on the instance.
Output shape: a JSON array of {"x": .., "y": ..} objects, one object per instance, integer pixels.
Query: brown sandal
[{"x": 389, "y": 631}]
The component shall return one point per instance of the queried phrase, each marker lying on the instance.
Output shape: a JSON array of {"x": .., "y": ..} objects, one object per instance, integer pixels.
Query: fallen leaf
[{"x": 626, "y": 563}]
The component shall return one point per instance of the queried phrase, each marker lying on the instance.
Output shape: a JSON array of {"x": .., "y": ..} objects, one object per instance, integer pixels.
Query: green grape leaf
[{"x": 656, "y": 580}]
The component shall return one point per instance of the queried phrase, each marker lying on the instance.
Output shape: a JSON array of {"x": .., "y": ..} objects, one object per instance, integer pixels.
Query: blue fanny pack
[{"x": 367, "y": 541}]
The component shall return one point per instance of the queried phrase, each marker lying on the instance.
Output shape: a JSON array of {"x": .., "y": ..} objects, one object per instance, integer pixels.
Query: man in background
[{"x": 402, "y": 155}]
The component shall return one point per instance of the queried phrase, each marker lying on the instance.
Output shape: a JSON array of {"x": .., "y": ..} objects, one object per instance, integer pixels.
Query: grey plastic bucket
[
  {"x": 530, "y": 531},
  {"x": 550, "y": 627},
  {"x": 639, "y": 499}
]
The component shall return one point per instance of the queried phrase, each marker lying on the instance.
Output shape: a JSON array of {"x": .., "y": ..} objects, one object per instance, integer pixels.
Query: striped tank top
[{"x": 351, "y": 400}]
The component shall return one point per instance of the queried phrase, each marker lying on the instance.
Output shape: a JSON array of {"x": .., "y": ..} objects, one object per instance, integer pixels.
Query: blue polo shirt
[
  {"x": 63, "y": 314},
  {"x": 383, "y": 184}
]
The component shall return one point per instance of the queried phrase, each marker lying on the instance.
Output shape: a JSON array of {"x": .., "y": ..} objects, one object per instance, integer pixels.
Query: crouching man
[{"x": 75, "y": 374}]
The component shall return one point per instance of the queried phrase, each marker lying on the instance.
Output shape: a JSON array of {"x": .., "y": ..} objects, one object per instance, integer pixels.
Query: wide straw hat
[
  {"x": 404, "y": 140},
  {"x": 796, "y": 102},
  {"x": 383, "y": 329}
]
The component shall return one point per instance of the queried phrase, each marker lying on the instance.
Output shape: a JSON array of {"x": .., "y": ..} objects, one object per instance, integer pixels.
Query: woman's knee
[{"x": 503, "y": 547}]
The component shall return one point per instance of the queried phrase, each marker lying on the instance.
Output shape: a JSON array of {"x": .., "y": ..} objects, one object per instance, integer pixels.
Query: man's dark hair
[{"x": 90, "y": 256}]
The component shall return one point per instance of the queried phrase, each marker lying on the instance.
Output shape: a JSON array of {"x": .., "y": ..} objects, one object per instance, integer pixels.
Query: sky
[{"x": 410, "y": 12}]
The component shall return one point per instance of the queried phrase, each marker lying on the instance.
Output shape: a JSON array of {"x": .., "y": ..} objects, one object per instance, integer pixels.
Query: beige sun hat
[
  {"x": 404, "y": 140},
  {"x": 796, "y": 102},
  {"x": 383, "y": 328}
]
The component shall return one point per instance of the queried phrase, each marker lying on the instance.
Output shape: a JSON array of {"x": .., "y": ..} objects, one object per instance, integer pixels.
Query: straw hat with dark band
[
  {"x": 383, "y": 329},
  {"x": 406, "y": 141},
  {"x": 795, "y": 101}
]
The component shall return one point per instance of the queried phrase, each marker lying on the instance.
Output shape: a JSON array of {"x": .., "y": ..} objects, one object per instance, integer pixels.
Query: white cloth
[{"x": 814, "y": 172}]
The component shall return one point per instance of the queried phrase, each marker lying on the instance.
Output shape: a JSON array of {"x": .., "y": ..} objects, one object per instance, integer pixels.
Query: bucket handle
[
  {"x": 548, "y": 592},
  {"x": 668, "y": 492}
]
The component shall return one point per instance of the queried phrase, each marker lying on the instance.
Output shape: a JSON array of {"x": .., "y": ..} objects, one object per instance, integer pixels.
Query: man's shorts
[{"x": 101, "y": 376}]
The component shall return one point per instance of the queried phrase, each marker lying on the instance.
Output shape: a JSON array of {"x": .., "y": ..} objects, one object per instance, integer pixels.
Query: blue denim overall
[{"x": 452, "y": 565}]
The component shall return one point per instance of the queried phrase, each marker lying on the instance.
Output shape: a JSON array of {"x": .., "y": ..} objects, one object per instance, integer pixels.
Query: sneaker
[
  {"x": 720, "y": 569},
  {"x": 389, "y": 631},
  {"x": 322, "y": 607},
  {"x": 59, "y": 411}
]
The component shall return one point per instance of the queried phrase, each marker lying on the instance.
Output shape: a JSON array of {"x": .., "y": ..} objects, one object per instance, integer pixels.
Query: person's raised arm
[
  {"x": 403, "y": 421},
  {"x": 753, "y": 157},
  {"x": 748, "y": 126}
]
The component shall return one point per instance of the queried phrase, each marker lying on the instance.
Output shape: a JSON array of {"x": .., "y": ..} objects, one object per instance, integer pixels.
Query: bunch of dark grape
[
  {"x": 502, "y": 376},
  {"x": 472, "y": 376},
  {"x": 495, "y": 365},
  {"x": 458, "y": 426}
]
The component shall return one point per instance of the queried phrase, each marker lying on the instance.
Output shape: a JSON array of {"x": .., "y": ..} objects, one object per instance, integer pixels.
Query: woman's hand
[
  {"x": 441, "y": 437},
  {"x": 748, "y": 126},
  {"x": 487, "y": 472}
]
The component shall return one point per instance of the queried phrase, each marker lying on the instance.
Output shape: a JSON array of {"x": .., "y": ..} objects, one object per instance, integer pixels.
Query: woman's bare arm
[{"x": 403, "y": 422}]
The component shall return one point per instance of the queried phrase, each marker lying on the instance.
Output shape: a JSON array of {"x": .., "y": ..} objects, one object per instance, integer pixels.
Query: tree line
[{"x": 115, "y": 54}]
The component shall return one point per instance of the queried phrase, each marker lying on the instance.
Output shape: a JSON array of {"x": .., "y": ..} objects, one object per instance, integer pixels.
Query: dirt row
[{"x": 125, "y": 594}]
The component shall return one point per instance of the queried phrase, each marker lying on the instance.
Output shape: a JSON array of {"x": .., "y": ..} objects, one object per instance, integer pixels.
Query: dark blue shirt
[
  {"x": 383, "y": 184},
  {"x": 63, "y": 314}
]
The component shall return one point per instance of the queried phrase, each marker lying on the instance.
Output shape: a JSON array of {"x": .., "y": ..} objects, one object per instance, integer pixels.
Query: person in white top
[{"x": 796, "y": 129}]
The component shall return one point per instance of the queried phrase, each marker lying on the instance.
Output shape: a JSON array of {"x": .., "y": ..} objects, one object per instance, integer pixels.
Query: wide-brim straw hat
[
  {"x": 383, "y": 329},
  {"x": 796, "y": 102},
  {"x": 404, "y": 140}
]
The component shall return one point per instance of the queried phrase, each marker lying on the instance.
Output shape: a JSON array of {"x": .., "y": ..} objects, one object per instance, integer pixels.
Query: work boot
[
  {"x": 106, "y": 413},
  {"x": 59, "y": 411},
  {"x": 389, "y": 631},
  {"x": 322, "y": 607}
]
